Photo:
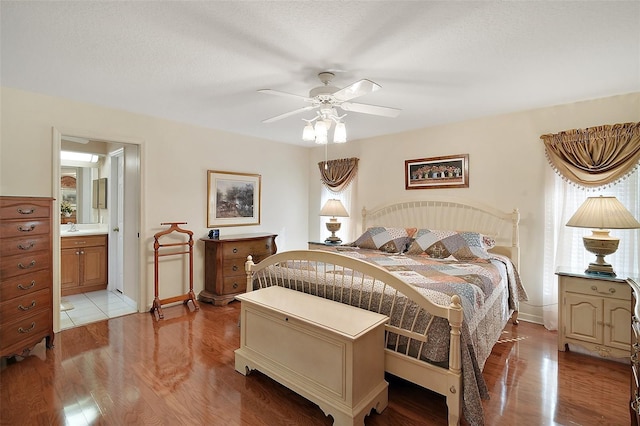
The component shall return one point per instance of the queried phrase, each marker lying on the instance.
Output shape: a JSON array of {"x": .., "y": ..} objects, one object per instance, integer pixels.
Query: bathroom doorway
[{"x": 107, "y": 203}]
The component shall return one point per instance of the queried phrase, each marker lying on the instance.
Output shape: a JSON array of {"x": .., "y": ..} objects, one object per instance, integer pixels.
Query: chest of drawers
[
  {"x": 224, "y": 274},
  {"x": 26, "y": 293},
  {"x": 634, "y": 403}
]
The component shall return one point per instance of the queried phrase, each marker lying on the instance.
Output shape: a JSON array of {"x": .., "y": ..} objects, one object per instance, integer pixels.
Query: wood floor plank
[{"x": 180, "y": 370}]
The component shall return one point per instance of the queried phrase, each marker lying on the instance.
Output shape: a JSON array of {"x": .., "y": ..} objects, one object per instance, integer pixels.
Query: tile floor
[{"x": 94, "y": 306}]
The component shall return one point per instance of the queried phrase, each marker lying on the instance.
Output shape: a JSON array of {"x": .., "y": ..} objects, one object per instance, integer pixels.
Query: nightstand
[
  {"x": 321, "y": 245},
  {"x": 594, "y": 312}
]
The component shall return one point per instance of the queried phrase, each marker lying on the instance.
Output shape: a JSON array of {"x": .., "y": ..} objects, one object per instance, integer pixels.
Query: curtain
[
  {"x": 601, "y": 159},
  {"x": 594, "y": 156},
  {"x": 336, "y": 175}
]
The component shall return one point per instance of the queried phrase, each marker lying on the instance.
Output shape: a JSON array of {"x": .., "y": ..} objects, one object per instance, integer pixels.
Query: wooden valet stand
[{"x": 157, "y": 302}]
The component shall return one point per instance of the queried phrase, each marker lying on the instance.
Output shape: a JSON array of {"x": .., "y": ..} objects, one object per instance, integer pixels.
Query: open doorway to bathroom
[{"x": 99, "y": 240}]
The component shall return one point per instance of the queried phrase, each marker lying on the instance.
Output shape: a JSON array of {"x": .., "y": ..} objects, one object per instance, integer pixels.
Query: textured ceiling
[{"x": 203, "y": 62}]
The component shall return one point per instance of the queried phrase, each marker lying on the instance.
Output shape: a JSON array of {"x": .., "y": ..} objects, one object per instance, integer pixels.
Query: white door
[{"x": 116, "y": 272}]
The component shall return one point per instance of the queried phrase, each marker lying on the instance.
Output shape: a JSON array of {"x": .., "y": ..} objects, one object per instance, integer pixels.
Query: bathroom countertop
[{"x": 83, "y": 230}]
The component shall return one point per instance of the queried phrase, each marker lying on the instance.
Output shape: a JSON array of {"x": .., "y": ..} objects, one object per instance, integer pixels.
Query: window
[{"x": 563, "y": 245}]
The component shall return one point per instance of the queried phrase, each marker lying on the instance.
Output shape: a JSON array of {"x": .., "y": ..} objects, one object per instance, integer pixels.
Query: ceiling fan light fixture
[
  {"x": 340, "y": 133},
  {"x": 308, "y": 134},
  {"x": 321, "y": 129}
]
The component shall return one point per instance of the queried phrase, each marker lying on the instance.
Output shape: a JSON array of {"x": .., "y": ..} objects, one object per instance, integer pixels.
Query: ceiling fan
[{"x": 327, "y": 98}]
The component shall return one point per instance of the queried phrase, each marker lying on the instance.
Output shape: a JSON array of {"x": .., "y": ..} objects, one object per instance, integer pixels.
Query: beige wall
[
  {"x": 175, "y": 160},
  {"x": 507, "y": 168}
]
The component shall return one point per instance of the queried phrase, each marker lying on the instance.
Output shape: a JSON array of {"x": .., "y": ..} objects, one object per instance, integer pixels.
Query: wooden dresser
[
  {"x": 26, "y": 289},
  {"x": 594, "y": 313},
  {"x": 224, "y": 257},
  {"x": 634, "y": 403}
]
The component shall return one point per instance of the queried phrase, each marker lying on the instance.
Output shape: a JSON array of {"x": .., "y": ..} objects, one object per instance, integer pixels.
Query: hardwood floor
[{"x": 180, "y": 371}]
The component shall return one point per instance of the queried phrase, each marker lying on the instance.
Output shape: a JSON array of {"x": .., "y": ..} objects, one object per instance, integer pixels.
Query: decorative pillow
[
  {"x": 463, "y": 246},
  {"x": 390, "y": 240}
]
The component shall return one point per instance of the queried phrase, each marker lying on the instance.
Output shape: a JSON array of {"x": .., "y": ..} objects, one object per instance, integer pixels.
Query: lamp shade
[
  {"x": 603, "y": 213},
  {"x": 334, "y": 208},
  {"x": 308, "y": 134},
  {"x": 340, "y": 133},
  {"x": 321, "y": 132}
]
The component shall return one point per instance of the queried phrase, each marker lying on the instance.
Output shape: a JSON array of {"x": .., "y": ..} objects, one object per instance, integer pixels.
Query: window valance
[
  {"x": 594, "y": 156},
  {"x": 336, "y": 175}
]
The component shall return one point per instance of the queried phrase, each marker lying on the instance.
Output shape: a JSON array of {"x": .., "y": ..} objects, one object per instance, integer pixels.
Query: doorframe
[{"x": 56, "y": 142}]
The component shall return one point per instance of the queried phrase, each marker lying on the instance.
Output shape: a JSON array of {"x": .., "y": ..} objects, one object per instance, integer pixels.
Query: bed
[{"x": 445, "y": 272}]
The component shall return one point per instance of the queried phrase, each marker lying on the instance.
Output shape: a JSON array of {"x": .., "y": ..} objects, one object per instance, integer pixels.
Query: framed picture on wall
[
  {"x": 450, "y": 171},
  {"x": 233, "y": 199}
]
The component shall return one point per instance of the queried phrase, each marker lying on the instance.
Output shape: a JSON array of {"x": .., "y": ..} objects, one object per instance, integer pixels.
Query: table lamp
[
  {"x": 601, "y": 214},
  {"x": 333, "y": 208}
]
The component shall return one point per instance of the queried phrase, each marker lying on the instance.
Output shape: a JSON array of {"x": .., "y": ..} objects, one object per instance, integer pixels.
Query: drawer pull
[
  {"x": 235, "y": 267},
  {"x": 30, "y": 246},
  {"x": 80, "y": 242},
  {"x": 30, "y": 265},
  {"x": 26, "y": 308},
  {"x": 235, "y": 285},
  {"x": 30, "y": 211},
  {"x": 29, "y": 229},
  {"x": 235, "y": 250},
  {"x": 21, "y": 287},
  {"x": 611, "y": 290},
  {"x": 27, "y": 330}
]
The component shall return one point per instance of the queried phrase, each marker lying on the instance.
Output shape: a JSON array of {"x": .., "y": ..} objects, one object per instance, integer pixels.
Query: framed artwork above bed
[
  {"x": 451, "y": 171},
  {"x": 233, "y": 199}
]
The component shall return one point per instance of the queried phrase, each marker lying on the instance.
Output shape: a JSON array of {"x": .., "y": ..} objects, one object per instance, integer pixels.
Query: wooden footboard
[{"x": 412, "y": 316}]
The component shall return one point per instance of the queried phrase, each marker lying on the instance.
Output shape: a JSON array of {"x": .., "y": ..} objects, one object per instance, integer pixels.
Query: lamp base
[
  {"x": 333, "y": 240},
  {"x": 600, "y": 269},
  {"x": 600, "y": 244},
  {"x": 333, "y": 226}
]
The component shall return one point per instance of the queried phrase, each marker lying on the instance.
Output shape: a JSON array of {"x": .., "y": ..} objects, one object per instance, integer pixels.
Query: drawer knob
[
  {"x": 21, "y": 287},
  {"x": 30, "y": 246},
  {"x": 235, "y": 267},
  {"x": 25, "y": 211},
  {"x": 611, "y": 290},
  {"x": 30, "y": 265},
  {"x": 26, "y": 308},
  {"x": 28, "y": 229},
  {"x": 27, "y": 330},
  {"x": 235, "y": 250},
  {"x": 235, "y": 285}
]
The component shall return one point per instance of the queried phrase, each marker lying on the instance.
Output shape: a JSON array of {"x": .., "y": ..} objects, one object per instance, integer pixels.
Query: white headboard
[{"x": 448, "y": 213}]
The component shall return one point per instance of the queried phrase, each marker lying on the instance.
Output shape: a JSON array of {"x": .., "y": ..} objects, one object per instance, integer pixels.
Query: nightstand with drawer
[
  {"x": 224, "y": 257},
  {"x": 594, "y": 312}
]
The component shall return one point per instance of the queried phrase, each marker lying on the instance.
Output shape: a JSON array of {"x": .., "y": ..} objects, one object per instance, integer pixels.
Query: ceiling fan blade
[
  {"x": 356, "y": 89},
  {"x": 287, "y": 114},
  {"x": 284, "y": 94},
  {"x": 370, "y": 109}
]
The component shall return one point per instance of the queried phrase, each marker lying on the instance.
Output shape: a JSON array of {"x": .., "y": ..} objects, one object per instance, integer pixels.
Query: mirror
[
  {"x": 99, "y": 194},
  {"x": 77, "y": 193},
  {"x": 84, "y": 168}
]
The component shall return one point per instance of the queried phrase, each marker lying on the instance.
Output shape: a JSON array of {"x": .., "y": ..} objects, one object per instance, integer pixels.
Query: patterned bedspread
[{"x": 489, "y": 290}]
